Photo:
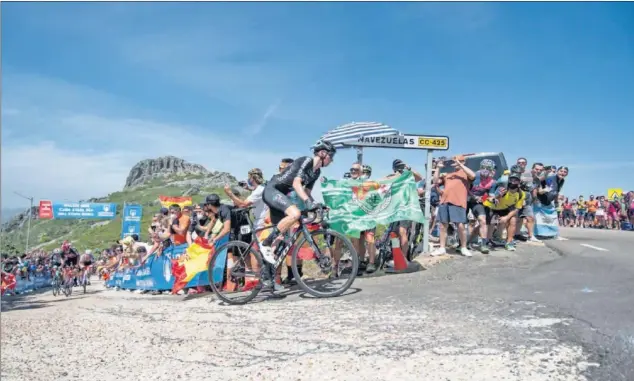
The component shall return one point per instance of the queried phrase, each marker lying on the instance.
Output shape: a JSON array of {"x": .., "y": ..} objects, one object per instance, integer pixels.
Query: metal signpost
[
  {"x": 405, "y": 141},
  {"x": 28, "y": 229}
]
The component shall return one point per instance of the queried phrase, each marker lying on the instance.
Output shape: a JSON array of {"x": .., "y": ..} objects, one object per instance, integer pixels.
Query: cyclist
[
  {"x": 70, "y": 256},
  {"x": 86, "y": 260},
  {"x": 505, "y": 203},
  {"x": 299, "y": 177}
]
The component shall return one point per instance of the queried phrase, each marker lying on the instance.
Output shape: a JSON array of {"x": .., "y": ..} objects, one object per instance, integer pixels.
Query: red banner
[{"x": 46, "y": 210}]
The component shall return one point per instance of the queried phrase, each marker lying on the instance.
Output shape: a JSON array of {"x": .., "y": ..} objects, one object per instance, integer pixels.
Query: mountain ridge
[{"x": 149, "y": 178}]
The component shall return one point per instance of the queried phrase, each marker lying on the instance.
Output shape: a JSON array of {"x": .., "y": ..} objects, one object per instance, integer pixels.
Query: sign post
[{"x": 429, "y": 143}]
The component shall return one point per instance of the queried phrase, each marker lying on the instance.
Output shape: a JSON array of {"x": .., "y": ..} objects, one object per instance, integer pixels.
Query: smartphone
[{"x": 449, "y": 163}]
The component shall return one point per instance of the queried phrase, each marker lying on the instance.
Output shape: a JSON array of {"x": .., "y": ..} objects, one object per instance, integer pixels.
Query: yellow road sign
[
  {"x": 614, "y": 192},
  {"x": 433, "y": 142}
]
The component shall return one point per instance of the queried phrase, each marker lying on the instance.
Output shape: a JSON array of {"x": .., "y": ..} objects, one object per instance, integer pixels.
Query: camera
[{"x": 243, "y": 184}]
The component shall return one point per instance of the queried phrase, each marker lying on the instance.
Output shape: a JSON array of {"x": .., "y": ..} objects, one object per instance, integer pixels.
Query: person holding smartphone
[{"x": 453, "y": 202}]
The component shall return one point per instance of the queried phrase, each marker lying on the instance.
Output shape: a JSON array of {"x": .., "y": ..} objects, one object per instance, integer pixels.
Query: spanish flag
[
  {"x": 167, "y": 201},
  {"x": 8, "y": 282},
  {"x": 193, "y": 261}
]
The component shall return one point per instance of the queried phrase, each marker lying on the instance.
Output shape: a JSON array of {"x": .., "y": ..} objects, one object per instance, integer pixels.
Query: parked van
[{"x": 472, "y": 161}]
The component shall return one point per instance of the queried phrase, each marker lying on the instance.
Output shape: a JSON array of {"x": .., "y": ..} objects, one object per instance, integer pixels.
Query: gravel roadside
[{"x": 110, "y": 335}]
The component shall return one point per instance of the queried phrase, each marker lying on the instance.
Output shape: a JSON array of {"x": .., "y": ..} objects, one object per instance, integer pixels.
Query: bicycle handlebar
[{"x": 320, "y": 213}]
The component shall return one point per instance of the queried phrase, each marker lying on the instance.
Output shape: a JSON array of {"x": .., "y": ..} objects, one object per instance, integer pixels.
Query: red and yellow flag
[
  {"x": 8, "y": 282},
  {"x": 167, "y": 201},
  {"x": 194, "y": 260}
]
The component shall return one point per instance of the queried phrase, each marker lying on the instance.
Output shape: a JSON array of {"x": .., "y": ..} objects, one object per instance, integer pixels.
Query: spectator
[
  {"x": 591, "y": 211},
  {"x": 255, "y": 181},
  {"x": 220, "y": 212},
  {"x": 529, "y": 185},
  {"x": 581, "y": 212},
  {"x": 629, "y": 202},
  {"x": 505, "y": 204},
  {"x": 398, "y": 166},
  {"x": 484, "y": 180},
  {"x": 179, "y": 223},
  {"x": 453, "y": 202},
  {"x": 366, "y": 239},
  {"x": 198, "y": 224}
]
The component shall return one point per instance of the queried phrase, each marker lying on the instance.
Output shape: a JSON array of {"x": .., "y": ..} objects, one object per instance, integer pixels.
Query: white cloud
[{"x": 89, "y": 154}]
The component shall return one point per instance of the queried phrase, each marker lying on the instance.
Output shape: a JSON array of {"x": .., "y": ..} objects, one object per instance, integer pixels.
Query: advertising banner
[
  {"x": 132, "y": 214},
  {"x": 46, "y": 210},
  {"x": 76, "y": 210}
]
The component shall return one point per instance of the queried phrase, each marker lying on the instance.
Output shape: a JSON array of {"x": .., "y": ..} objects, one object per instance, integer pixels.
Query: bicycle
[
  {"x": 312, "y": 231},
  {"x": 67, "y": 284},
  {"x": 56, "y": 283},
  {"x": 84, "y": 278}
]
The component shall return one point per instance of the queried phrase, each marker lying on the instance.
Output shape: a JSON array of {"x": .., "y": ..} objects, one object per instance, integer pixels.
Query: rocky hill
[{"x": 169, "y": 176}]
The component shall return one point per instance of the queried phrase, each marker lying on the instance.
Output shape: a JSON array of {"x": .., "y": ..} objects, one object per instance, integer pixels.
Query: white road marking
[{"x": 594, "y": 247}]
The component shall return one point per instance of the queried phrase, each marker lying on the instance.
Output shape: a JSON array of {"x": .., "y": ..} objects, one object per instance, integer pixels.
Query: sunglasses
[{"x": 355, "y": 169}]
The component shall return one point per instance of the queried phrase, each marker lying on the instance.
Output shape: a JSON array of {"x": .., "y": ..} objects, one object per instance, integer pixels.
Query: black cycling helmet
[
  {"x": 212, "y": 199},
  {"x": 325, "y": 145},
  {"x": 398, "y": 165},
  {"x": 514, "y": 175},
  {"x": 516, "y": 169}
]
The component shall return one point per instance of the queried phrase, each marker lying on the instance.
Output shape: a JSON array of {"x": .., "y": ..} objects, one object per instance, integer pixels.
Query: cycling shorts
[
  {"x": 86, "y": 263},
  {"x": 277, "y": 202},
  {"x": 71, "y": 262}
]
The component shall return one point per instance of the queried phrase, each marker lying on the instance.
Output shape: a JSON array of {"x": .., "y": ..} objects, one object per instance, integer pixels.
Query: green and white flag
[{"x": 358, "y": 205}]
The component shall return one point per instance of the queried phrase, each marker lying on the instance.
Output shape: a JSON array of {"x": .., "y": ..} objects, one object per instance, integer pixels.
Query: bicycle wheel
[
  {"x": 55, "y": 289},
  {"x": 244, "y": 280},
  {"x": 68, "y": 288},
  {"x": 316, "y": 278},
  {"x": 84, "y": 283}
]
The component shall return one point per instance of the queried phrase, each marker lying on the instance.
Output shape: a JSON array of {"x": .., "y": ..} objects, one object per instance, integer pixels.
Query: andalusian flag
[
  {"x": 357, "y": 205},
  {"x": 167, "y": 201},
  {"x": 194, "y": 260}
]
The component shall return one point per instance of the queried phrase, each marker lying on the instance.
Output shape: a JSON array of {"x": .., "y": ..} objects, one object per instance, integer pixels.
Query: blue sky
[{"x": 88, "y": 89}]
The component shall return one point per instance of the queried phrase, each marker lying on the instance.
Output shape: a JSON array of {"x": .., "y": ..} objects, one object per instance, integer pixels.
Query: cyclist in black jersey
[{"x": 300, "y": 177}]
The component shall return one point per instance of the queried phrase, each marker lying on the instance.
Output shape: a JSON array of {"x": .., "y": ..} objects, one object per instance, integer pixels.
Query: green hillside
[{"x": 98, "y": 234}]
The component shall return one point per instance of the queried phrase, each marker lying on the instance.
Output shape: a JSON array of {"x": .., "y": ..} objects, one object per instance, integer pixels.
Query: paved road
[{"x": 536, "y": 314}]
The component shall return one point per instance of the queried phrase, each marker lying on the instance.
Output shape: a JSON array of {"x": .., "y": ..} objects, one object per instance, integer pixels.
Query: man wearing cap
[
  {"x": 254, "y": 183},
  {"x": 453, "y": 202},
  {"x": 221, "y": 212},
  {"x": 505, "y": 203}
]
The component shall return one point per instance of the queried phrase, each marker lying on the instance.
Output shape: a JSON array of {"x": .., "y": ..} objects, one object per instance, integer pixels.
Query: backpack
[{"x": 239, "y": 219}]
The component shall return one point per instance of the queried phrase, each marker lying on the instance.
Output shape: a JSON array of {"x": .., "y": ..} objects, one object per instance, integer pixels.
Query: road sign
[
  {"x": 427, "y": 142},
  {"x": 87, "y": 210},
  {"x": 614, "y": 192},
  {"x": 46, "y": 209}
]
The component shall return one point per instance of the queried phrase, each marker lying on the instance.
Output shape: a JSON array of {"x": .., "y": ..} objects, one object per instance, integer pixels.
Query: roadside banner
[
  {"x": 167, "y": 201},
  {"x": 77, "y": 210},
  {"x": 132, "y": 214},
  {"x": 46, "y": 210},
  {"x": 618, "y": 192}
]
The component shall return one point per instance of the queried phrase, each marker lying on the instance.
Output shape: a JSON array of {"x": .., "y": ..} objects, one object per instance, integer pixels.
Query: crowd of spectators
[{"x": 599, "y": 212}]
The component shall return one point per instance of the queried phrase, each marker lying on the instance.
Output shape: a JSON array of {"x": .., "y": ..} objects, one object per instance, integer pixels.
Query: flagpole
[
  {"x": 360, "y": 155},
  {"x": 428, "y": 185}
]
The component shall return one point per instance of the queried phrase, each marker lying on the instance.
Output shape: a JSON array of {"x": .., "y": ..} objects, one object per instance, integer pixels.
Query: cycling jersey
[
  {"x": 276, "y": 191},
  {"x": 302, "y": 168}
]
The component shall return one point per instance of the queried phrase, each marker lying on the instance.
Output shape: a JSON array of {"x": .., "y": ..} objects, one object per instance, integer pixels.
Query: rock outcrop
[{"x": 166, "y": 166}]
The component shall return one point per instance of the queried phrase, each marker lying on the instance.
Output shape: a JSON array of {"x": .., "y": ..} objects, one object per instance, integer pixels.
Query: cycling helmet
[
  {"x": 213, "y": 199},
  {"x": 366, "y": 169},
  {"x": 325, "y": 145},
  {"x": 398, "y": 165},
  {"x": 57, "y": 251},
  {"x": 487, "y": 164},
  {"x": 516, "y": 169},
  {"x": 65, "y": 246},
  {"x": 514, "y": 175}
]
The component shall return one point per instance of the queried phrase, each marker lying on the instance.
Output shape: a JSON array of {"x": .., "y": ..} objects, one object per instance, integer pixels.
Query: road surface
[{"x": 537, "y": 314}]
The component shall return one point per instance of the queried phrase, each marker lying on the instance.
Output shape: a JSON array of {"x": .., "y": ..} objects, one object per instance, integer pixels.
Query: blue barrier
[
  {"x": 35, "y": 282},
  {"x": 156, "y": 273}
]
